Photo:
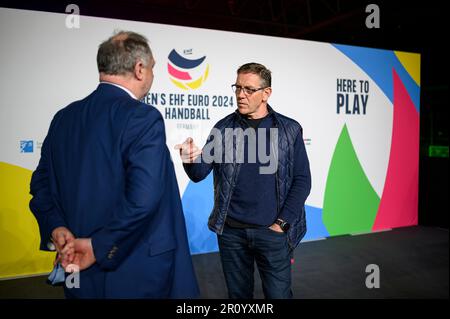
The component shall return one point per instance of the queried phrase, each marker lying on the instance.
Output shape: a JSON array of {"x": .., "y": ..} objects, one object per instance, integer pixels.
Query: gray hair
[
  {"x": 259, "y": 69},
  {"x": 119, "y": 54}
]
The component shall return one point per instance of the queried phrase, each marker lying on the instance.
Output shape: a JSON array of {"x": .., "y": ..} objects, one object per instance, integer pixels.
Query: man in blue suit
[{"x": 105, "y": 194}]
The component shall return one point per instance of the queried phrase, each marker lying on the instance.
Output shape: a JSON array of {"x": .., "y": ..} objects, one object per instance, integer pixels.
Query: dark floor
[{"x": 413, "y": 263}]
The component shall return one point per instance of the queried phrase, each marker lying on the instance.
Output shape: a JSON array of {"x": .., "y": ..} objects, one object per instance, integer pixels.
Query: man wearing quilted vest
[{"x": 261, "y": 182}]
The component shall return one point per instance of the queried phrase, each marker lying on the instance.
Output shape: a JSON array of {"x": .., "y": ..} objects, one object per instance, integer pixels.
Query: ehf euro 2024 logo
[{"x": 187, "y": 74}]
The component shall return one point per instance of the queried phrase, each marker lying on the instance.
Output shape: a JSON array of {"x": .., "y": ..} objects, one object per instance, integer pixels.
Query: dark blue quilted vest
[{"x": 225, "y": 174}]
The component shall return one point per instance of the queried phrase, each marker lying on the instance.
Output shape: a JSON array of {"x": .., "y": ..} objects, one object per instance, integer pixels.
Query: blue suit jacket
[{"x": 105, "y": 172}]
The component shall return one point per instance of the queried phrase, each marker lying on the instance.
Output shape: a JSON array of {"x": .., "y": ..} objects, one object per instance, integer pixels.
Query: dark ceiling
[{"x": 404, "y": 26}]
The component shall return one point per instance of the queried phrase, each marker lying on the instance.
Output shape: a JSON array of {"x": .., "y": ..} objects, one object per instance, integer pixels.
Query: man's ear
[
  {"x": 266, "y": 93},
  {"x": 139, "y": 70}
]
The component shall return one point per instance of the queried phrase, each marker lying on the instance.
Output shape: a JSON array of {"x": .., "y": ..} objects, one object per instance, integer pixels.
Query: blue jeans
[{"x": 240, "y": 248}]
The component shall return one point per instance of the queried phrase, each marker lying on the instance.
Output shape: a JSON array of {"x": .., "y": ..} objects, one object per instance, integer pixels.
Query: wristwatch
[{"x": 284, "y": 225}]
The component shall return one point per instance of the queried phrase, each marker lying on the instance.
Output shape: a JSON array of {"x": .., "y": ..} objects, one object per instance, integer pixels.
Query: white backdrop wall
[{"x": 357, "y": 185}]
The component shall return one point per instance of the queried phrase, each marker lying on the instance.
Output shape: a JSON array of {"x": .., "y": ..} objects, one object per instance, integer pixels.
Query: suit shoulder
[
  {"x": 134, "y": 109},
  {"x": 145, "y": 121},
  {"x": 145, "y": 116},
  {"x": 72, "y": 107},
  {"x": 147, "y": 111}
]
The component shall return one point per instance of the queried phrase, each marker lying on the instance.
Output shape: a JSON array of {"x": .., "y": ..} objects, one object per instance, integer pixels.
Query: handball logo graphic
[{"x": 185, "y": 73}]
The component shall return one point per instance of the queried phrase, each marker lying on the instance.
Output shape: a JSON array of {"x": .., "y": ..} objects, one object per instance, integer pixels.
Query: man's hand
[
  {"x": 276, "y": 227},
  {"x": 63, "y": 239},
  {"x": 188, "y": 150},
  {"x": 61, "y": 236},
  {"x": 83, "y": 256}
]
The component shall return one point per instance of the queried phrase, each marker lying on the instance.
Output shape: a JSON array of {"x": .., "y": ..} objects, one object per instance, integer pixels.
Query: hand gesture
[{"x": 188, "y": 150}]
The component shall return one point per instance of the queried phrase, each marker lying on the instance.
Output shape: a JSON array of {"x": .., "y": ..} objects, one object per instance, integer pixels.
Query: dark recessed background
[{"x": 405, "y": 25}]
